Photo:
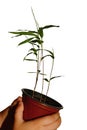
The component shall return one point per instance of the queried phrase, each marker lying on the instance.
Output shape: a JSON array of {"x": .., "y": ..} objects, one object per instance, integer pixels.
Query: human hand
[
  {"x": 4, "y": 113},
  {"x": 14, "y": 119},
  {"x": 7, "y": 115},
  {"x": 51, "y": 122}
]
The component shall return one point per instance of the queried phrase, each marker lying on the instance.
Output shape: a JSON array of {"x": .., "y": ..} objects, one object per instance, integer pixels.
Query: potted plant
[{"x": 37, "y": 104}]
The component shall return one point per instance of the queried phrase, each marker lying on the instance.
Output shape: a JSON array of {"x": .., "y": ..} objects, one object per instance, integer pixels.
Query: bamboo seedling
[{"x": 36, "y": 51}]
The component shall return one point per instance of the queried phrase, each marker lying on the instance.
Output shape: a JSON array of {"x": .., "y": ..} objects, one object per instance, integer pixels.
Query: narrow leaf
[
  {"x": 34, "y": 51},
  {"x": 25, "y": 41},
  {"x": 52, "y": 53},
  {"x": 46, "y": 79},
  {"x": 55, "y": 77},
  {"x": 49, "y": 26},
  {"x": 32, "y": 33},
  {"x": 40, "y": 31},
  {"x": 36, "y": 72},
  {"x": 30, "y": 60},
  {"x": 36, "y": 41},
  {"x": 46, "y": 56},
  {"x": 27, "y": 55},
  {"x": 32, "y": 72}
]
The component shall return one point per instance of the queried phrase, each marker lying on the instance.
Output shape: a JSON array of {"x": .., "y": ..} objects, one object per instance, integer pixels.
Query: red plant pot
[{"x": 33, "y": 108}]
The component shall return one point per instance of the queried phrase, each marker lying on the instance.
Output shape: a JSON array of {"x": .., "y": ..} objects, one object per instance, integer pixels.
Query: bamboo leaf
[
  {"x": 35, "y": 44},
  {"x": 32, "y": 72},
  {"x": 30, "y": 59},
  {"x": 42, "y": 74},
  {"x": 52, "y": 53},
  {"x": 16, "y": 36},
  {"x": 37, "y": 41},
  {"x": 40, "y": 31},
  {"x": 46, "y": 79},
  {"x": 32, "y": 33},
  {"x": 34, "y": 51},
  {"x": 36, "y": 72},
  {"x": 46, "y": 56},
  {"x": 27, "y": 55},
  {"x": 25, "y": 41},
  {"x": 55, "y": 77},
  {"x": 49, "y": 26}
]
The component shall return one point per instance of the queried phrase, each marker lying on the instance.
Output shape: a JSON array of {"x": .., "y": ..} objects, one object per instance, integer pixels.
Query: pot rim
[{"x": 57, "y": 106}]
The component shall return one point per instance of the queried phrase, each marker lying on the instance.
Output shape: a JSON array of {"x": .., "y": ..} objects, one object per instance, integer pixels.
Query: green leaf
[
  {"x": 46, "y": 79},
  {"x": 32, "y": 72},
  {"x": 49, "y": 26},
  {"x": 25, "y": 41},
  {"x": 42, "y": 74},
  {"x": 52, "y": 53},
  {"x": 32, "y": 33},
  {"x": 46, "y": 56},
  {"x": 35, "y": 44},
  {"x": 55, "y": 77},
  {"x": 40, "y": 31},
  {"x": 30, "y": 59},
  {"x": 36, "y": 72},
  {"x": 34, "y": 51},
  {"x": 37, "y": 41},
  {"x": 28, "y": 55}
]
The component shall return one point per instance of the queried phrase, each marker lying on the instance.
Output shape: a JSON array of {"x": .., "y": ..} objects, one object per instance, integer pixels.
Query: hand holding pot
[
  {"x": 51, "y": 122},
  {"x": 7, "y": 115}
]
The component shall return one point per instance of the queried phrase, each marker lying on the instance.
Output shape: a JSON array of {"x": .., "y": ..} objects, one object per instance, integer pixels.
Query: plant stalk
[
  {"x": 42, "y": 72},
  {"x": 36, "y": 79},
  {"x": 49, "y": 79}
]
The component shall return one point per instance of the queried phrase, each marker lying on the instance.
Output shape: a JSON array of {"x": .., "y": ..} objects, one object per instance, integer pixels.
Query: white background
[{"x": 69, "y": 43}]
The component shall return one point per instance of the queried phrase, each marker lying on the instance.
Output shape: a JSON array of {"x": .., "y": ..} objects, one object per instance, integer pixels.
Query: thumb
[{"x": 18, "y": 116}]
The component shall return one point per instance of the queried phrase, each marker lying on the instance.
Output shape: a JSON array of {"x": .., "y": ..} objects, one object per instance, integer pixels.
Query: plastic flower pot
[{"x": 34, "y": 108}]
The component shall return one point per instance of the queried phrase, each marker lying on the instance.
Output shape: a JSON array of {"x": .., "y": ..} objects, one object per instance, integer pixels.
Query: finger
[
  {"x": 54, "y": 125},
  {"x": 16, "y": 101},
  {"x": 48, "y": 119},
  {"x": 19, "y": 113}
]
